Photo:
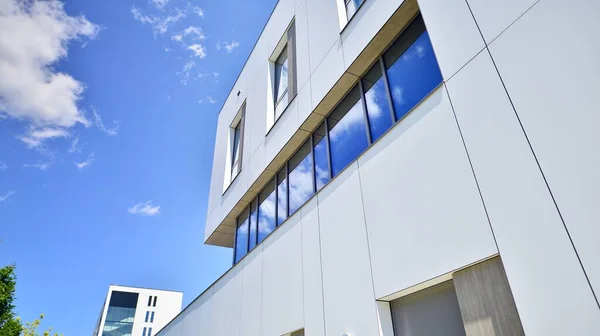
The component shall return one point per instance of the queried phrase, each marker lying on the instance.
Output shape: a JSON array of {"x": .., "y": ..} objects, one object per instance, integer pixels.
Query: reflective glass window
[
  {"x": 347, "y": 131},
  {"x": 154, "y": 304},
  {"x": 281, "y": 82},
  {"x": 241, "y": 238},
  {"x": 144, "y": 332},
  {"x": 352, "y": 6},
  {"x": 376, "y": 99},
  {"x": 282, "y": 208},
  {"x": 321, "y": 160},
  {"x": 253, "y": 226},
  {"x": 152, "y": 317},
  {"x": 412, "y": 68},
  {"x": 150, "y": 331},
  {"x": 266, "y": 211},
  {"x": 149, "y": 300},
  {"x": 147, "y": 316},
  {"x": 301, "y": 177}
]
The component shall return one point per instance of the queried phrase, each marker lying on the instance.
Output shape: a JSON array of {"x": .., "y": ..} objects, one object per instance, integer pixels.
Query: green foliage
[
  {"x": 9, "y": 324},
  {"x": 30, "y": 328}
]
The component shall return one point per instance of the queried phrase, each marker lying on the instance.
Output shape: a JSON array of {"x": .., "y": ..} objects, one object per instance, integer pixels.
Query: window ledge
[
  {"x": 282, "y": 113},
  {"x": 353, "y": 16},
  {"x": 231, "y": 183}
]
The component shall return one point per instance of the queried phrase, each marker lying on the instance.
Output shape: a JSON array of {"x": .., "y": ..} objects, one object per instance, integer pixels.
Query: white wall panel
[
  {"x": 278, "y": 24},
  {"x": 367, "y": 21},
  {"x": 453, "y": 33},
  {"x": 226, "y": 304},
  {"x": 494, "y": 16},
  {"x": 256, "y": 110},
  {"x": 423, "y": 211},
  {"x": 314, "y": 320},
  {"x": 191, "y": 318},
  {"x": 347, "y": 284},
  {"x": 204, "y": 325},
  {"x": 327, "y": 73},
  {"x": 304, "y": 103},
  {"x": 323, "y": 29},
  {"x": 282, "y": 131},
  {"x": 302, "y": 56},
  {"x": 282, "y": 293},
  {"x": 539, "y": 260},
  {"x": 252, "y": 267}
]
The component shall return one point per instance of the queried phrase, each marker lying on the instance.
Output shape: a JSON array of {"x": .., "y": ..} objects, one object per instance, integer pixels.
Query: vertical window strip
[
  {"x": 364, "y": 110},
  {"x": 154, "y": 304},
  {"x": 387, "y": 90}
]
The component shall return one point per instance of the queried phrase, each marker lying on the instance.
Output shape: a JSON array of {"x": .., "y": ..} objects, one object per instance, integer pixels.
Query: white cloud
[
  {"x": 211, "y": 100},
  {"x": 194, "y": 32},
  {"x": 177, "y": 38},
  {"x": 145, "y": 208},
  {"x": 3, "y": 166},
  {"x": 34, "y": 36},
  {"x": 159, "y": 4},
  {"x": 7, "y": 196},
  {"x": 84, "y": 164},
  {"x": 40, "y": 166},
  {"x": 159, "y": 25},
  {"x": 199, "y": 11},
  {"x": 200, "y": 101},
  {"x": 230, "y": 46},
  {"x": 198, "y": 50},
  {"x": 35, "y": 137},
  {"x": 98, "y": 123},
  {"x": 75, "y": 146}
]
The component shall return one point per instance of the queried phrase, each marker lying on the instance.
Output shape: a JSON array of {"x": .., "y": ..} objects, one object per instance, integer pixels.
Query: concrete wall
[{"x": 502, "y": 158}]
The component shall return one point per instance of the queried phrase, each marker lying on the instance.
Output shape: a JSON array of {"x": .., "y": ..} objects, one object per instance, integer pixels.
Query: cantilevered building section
[
  {"x": 416, "y": 167},
  {"x": 136, "y": 311}
]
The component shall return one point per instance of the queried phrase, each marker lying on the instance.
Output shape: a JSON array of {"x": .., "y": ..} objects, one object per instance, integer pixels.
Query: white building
[
  {"x": 136, "y": 311},
  {"x": 457, "y": 184}
]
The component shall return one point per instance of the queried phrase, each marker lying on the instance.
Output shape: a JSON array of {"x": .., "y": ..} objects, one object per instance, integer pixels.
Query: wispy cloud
[
  {"x": 194, "y": 33},
  {"x": 211, "y": 100},
  {"x": 145, "y": 209},
  {"x": 75, "y": 147},
  {"x": 112, "y": 131},
  {"x": 34, "y": 36},
  {"x": 198, "y": 50},
  {"x": 3, "y": 166},
  {"x": 85, "y": 164},
  {"x": 185, "y": 72},
  {"x": 200, "y": 101},
  {"x": 35, "y": 137},
  {"x": 159, "y": 4},
  {"x": 230, "y": 46},
  {"x": 199, "y": 11},
  {"x": 160, "y": 25},
  {"x": 40, "y": 165},
  {"x": 7, "y": 196}
]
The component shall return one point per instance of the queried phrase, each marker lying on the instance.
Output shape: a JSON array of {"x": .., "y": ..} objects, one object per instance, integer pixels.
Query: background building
[
  {"x": 389, "y": 167},
  {"x": 136, "y": 311}
]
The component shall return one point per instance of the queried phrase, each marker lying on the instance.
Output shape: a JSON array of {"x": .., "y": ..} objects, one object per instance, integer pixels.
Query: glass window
[
  {"x": 347, "y": 131},
  {"x": 235, "y": 148},
  {"x": 281, "y": 82},
  {"x": 241, "y": 238},
  {"x": 253, "y": 226},
  {"x": 352, "y": 6},
  {"x": 147, "y": 315},
  {"x": 149, "y": 300},
  {"x": 154, "y": 304},
  {"x": 282, "y": 197},
  {"x": 150, "y": 331},
  {"x": 301, "y": 177},
  {"x": 266, "y": 211},
  {"x": 321, "y": 160},
  {"x": 412, "y": 68},
  {"x": 152, "y": 317},
  {"x": 376, "y": 99},
  {"x": 144, "y": 332}
]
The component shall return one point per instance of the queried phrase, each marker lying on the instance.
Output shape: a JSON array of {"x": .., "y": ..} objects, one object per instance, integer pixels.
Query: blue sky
[{"x": 107, "y": 121}]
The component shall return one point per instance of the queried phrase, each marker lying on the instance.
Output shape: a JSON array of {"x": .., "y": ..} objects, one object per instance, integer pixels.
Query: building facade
[
  {"x": 136, "y": 311},
  {"x": 409, "y": 167}
]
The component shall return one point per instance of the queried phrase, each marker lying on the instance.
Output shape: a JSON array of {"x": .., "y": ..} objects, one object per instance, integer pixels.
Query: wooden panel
[{"x": 486, "y": 302}]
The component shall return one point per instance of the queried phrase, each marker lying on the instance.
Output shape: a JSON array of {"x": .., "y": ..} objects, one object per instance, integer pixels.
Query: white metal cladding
[{"x": 504, "y": 162}]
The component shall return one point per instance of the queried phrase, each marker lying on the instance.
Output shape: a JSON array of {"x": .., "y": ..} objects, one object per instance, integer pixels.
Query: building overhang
[{"x": 224, "y": 234}]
